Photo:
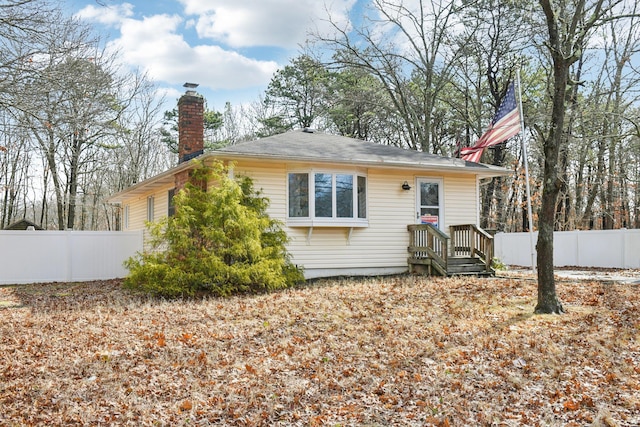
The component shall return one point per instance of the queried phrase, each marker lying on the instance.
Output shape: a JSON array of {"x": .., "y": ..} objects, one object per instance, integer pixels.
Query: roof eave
[
  {"x": 164, "y": 178},
  {"x": 159, "y": 180},
  {"x": 484, "y": 171}
]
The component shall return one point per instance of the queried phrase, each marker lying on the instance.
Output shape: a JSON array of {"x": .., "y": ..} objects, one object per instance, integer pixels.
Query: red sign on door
[{"x": 429, "y": 219}]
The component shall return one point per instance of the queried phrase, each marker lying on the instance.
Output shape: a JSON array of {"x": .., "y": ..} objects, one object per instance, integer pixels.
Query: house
[
  {"x": 23, "y": 224},
  {"x": 349, "y": 207}
]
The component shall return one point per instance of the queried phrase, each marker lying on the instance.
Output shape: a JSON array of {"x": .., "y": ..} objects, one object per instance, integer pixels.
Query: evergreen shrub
[{"x": 220, "y": 241}]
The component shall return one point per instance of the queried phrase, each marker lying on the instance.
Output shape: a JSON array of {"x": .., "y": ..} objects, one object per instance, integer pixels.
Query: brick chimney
[{"x": 190, "y": 124}]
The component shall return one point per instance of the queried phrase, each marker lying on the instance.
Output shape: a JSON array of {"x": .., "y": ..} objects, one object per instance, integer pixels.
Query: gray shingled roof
[
  {"x": 322, "y": 147},
  {"x": 318, "y": 147}
]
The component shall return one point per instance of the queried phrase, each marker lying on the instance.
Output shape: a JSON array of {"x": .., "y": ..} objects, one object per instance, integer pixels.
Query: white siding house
[{"x": 344, "y": 203}]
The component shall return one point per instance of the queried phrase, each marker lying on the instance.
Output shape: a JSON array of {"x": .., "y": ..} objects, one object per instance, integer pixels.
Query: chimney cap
[{"x": 190, "y": 85}]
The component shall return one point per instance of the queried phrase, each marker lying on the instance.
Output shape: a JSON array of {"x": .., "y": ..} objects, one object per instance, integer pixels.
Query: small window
[
  {"x": 126, "y": 217},
  {"x": 362, "y": 197},
  {"x": 171, "y": 211},
  {"x": 338, "y": 199},
  {"x": 150, "y": 209},
  {"x": 298, "y": 195}
]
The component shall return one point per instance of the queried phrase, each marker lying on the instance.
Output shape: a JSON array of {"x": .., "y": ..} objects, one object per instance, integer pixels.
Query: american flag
[{"x": 504, "y": 125}]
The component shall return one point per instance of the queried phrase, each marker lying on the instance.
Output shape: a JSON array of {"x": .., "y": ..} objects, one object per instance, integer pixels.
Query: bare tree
[
  {"x": 138, "y": 152},
  {"x": 410, "y": 49},
  {"x": 23, "y": 24},
  {"x": 493, "y": 48},
  {"x": 71, "y": 107},
  {"x": 15, "y": 162},
  {"x": 569, "y": 25},
  {"x": 132, "y": 152},
  {"x": 621, "y": 45},
  {"x": 601, "y": 188}
]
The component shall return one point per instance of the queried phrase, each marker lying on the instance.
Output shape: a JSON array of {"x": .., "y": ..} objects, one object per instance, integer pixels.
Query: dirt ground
[{"x": 618, "y": 275}]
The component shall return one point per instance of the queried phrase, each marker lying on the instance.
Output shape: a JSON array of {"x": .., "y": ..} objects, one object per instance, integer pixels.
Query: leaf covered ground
[{"x": 364, "y": 352}]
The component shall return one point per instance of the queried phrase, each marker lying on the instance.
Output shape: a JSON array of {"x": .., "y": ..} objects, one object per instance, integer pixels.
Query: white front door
[{"x": 429, "y": 202}]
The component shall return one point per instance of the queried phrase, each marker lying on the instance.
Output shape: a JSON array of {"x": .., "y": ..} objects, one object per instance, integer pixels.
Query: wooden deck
[{"x": 469, "y": 250}]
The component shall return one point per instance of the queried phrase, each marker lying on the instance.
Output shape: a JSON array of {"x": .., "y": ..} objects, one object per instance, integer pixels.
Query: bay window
[{"x": 326, "y": 198}]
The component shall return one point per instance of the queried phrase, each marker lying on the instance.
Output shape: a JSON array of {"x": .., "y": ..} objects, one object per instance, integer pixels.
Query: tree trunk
[
  {"x": 547, "y": 300},
  {"x": 44, "y": 206},
  {"x": 73, "y": 182},
  {"x": 51, "y": 163},
  {"x": 564, "y": 205},
  {"x": 587, "y": 220},
  {"x": 568, "y": 29}
]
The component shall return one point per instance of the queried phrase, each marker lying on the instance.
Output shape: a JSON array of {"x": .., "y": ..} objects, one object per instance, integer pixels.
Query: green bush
[
  {"x": 497, "y": 264},
  {"x": 219, "y": 242}
]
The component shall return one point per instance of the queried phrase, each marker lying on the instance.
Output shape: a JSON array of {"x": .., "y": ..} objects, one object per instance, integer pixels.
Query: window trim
[
  {"x": 334, "y": 221},
  {"x": 150, "y": 209},
  {"x": 126, "y": 217},
  {"x": 171, "y": 206}
]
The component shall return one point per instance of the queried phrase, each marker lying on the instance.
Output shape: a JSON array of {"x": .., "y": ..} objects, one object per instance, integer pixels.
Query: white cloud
[
  {"x": 279, "y": 23},
  {"x": 154, "y": 44},
  {"x": 108, "y": 15}
]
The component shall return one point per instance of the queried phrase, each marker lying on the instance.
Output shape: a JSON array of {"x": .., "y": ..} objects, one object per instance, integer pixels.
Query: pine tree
[{"x": 219, "y": 242}]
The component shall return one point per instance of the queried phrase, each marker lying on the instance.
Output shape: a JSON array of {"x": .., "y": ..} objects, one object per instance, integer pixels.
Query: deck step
[
  {"x": 451, "y": 253},
  {"x": 458, "y": 266},
  {"x": 462, "y": 260}
]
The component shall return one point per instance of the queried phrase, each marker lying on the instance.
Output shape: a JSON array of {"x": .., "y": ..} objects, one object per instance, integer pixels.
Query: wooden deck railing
[
  {"x": 429, "y": 246},
  {"x": 469, "y": 240}
]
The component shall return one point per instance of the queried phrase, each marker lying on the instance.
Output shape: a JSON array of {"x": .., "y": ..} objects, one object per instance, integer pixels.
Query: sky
[{"x": 231, "y": 48}]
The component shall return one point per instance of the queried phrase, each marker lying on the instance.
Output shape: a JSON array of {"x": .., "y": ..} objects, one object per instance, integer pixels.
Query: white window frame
[
  {"x": 150, "y": 209},
  {"x": 171, "y": 207},
  {"x": 334, "y": 220},
  {"x": 126, "y": 217}
]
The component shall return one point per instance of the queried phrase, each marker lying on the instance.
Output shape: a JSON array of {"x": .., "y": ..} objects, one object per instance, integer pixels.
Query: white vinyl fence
[
  {"x": 74, "y": 256},
  {"x": 593, "y": 248},
  {"x": 65, "y": 256}
]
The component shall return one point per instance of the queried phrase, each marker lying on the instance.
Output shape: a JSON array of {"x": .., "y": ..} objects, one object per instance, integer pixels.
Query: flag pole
[{"x": 526, "y": 176}]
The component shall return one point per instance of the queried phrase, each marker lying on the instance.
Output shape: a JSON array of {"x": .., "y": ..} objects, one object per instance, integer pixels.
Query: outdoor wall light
[{"x": 406, "y": 186}]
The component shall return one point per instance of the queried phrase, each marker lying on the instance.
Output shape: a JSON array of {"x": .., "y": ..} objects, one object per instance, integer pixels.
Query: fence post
[
  {"x": 577, "y": 233},
  {"x": 624, "y": 243},
  {"x": 68, "y": 255}
]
